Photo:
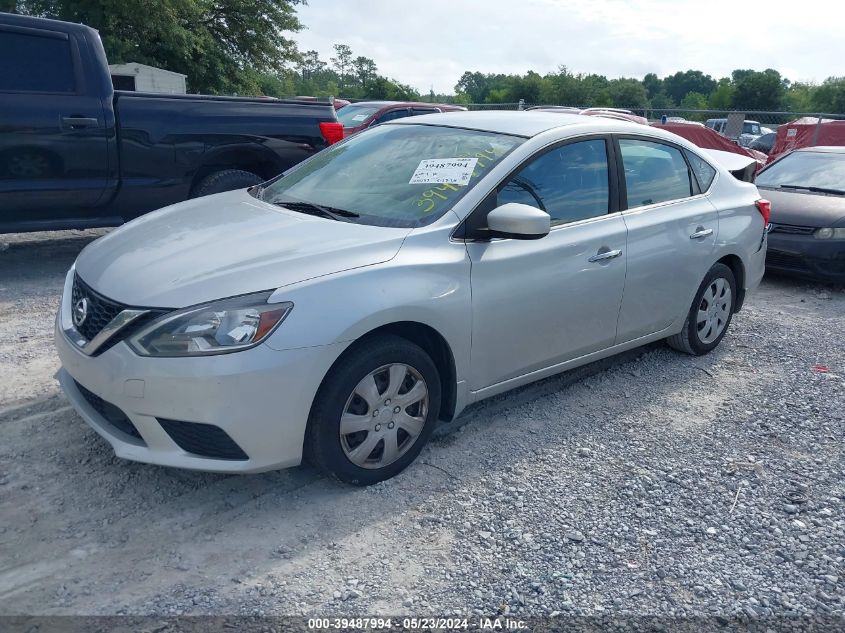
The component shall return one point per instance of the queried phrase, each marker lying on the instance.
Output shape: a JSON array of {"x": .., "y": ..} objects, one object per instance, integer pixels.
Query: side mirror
[{"x": 518, "y": 221}]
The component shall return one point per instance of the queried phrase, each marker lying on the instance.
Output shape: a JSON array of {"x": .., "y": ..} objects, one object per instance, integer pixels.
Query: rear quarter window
[{"x": 702, "y": 170}]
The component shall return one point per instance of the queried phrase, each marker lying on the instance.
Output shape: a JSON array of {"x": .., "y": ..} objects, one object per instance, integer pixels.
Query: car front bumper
[
  {"x": 260, "y": 398},
  {"x": 806, "y": 256}
]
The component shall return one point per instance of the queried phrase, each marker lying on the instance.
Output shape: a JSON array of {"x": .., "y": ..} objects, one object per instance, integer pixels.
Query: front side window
[
  {"x": 35, "y": 63},
  {"x": 654, "y": 172},
  {"x": 394, "y": 175},
  {"x": 418, "y": 111},
  {"x": 569, "y": 183}
]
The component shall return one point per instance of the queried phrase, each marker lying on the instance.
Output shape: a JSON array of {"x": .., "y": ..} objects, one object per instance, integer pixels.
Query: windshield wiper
[
  {"x": 316, "y": 209},
  {"x": 838, "y": 192}
]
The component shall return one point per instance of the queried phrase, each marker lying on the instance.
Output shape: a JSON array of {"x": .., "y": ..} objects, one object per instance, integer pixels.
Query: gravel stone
[{"x": 651, "y": 484}]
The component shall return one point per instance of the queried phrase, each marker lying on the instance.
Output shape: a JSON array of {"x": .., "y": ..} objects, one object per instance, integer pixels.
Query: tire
[
  {"x": 702, "y": 336},
  {"x": 375, "y": 362},
  {"x": 226, "y": 180}
]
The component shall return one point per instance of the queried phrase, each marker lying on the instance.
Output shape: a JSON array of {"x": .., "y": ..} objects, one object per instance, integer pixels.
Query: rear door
[
  {"x": 672, "y": 230},
  {"x": 53, "y": 142},
  {"x": 537, "y": 303}
]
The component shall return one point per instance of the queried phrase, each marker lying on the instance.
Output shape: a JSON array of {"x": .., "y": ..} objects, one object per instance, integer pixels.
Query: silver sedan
[{"x": 339, "y": 311}]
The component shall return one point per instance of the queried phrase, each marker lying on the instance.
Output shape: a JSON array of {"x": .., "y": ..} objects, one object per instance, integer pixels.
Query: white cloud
[{"x": 433, "y": 43}]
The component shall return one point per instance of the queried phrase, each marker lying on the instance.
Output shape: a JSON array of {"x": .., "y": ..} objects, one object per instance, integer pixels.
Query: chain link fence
[{"x": 770, "y": 119}]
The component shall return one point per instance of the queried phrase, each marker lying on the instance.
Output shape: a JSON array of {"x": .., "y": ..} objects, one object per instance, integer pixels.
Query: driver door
[{"x": 537, "y": 303}]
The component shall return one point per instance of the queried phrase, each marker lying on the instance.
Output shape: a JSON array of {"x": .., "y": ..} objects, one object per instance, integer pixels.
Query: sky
[{"x": 431, "y": 43}]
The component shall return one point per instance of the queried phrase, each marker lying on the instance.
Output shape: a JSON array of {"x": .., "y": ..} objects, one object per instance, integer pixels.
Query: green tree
[
  {"x": 364, "y": 69},
  {"x": 662, "y": 101},
  {"x": 830, "y": 96},
  {"x": 310, "y": 65},
  {"x": 627, "y": 93},
  {"x": 475, "y": 85},
  {"x": 694, "y": 101},
  {"x": 755, "y": 90},
  {"x": 723, "y": 96},
  {"x": 384, "y": 88},
  {"x": 799, "y": 97},
  {"x": 342, "y": 62},
  {"x": 221, "y": 46},
  {"x": 653, "y": 85},
  {"x": 678, "y": 85}
]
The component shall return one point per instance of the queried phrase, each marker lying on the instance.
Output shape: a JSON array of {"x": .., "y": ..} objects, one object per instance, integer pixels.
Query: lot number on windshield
[{"x": 444, "y": 171}]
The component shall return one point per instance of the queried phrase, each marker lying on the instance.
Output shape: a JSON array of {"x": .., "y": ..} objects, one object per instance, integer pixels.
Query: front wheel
[
  {"x": 226, "y": 180},
  {"x": 710, "y": 313},
  {"x": 374, "y": 412}
]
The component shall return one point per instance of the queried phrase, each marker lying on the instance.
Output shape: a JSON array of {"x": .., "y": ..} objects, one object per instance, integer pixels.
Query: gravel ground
[{"x": 656, "y": 484}]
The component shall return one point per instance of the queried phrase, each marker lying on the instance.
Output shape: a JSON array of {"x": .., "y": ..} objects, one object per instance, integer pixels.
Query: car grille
[
  {"x": 110, "y": 413},
  {"x": 792, "y": 229},
  {"x": 778, "y": 259},
  {"x": 205, "y": 440},
  {"x": 101, "y": 311}
]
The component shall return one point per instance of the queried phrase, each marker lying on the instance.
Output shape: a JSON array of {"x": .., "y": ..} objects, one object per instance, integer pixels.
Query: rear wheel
[
  {"x": 375, "y": 411},
  {"x": 710, "y": 313},
  {"x": 226, "y": 180}
]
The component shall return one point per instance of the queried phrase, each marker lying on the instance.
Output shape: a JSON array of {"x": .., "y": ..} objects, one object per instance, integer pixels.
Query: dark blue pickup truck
[{"x": 75, "y": 153}]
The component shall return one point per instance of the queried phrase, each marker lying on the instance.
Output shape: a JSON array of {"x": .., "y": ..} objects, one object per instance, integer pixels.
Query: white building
[{"x": 143, "y": 78}]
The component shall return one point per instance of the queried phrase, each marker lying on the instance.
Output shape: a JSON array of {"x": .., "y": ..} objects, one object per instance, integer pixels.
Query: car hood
[
  {"x": 225, "y": 245},
  {"x": 803, "y": 208}
]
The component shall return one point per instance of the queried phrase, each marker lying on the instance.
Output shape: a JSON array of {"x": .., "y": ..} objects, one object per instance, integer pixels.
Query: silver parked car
[{"x": 342, "y": 309}]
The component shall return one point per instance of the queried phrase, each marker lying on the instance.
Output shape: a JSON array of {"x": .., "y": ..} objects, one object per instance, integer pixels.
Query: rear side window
[
  {"x": 654, "y": 172},
  {"x": 569, "y": 183},
  {"x": 393, "y": 114},
  {"x": 35, "y": 63},
  {"x": 702, "y": 170}
]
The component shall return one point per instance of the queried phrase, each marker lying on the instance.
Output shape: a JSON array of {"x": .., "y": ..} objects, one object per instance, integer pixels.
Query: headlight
[
  {"x": 215, "y": 328},
  {"x": 827, "y": 234}
]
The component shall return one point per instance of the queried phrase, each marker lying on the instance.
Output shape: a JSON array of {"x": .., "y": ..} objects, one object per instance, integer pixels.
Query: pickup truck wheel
[
  {"x": 374, "y": 411},
  {"x": 226, "y": 180}
]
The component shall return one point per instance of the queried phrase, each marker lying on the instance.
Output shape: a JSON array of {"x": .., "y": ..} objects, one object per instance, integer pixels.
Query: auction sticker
[{"x": 444, "y": 171}]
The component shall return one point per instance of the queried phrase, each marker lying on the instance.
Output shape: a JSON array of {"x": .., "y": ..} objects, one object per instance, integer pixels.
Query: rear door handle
[
  {"x": 701, "y": 233},
  {"x": 598, "y": 257},
  {"x": 77, "y": 122}
]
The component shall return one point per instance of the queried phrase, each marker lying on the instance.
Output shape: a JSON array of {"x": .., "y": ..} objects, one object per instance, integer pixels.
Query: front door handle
[
  {"x": 601, "y": 256},
  {"x": 701, "y": 232},
  {"x": 78, "y": 122}
]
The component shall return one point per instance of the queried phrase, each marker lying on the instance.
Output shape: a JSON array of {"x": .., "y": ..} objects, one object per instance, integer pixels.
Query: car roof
[
  {"x": 518, "y": 123},
  {"x": 385, "y": 104},
  {"x": 374, "y": 103},
  {"x": 828, "y": 149}
]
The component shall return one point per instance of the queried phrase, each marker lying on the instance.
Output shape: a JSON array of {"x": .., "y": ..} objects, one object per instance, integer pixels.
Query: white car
[{"x": 342, "y": 309}]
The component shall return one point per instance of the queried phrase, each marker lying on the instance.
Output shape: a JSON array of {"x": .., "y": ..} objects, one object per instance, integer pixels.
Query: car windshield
[
  {"x": 393, "y": 175},
  {"x": 354, "y": 115},
  {"x": 823, "y": 170}
]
